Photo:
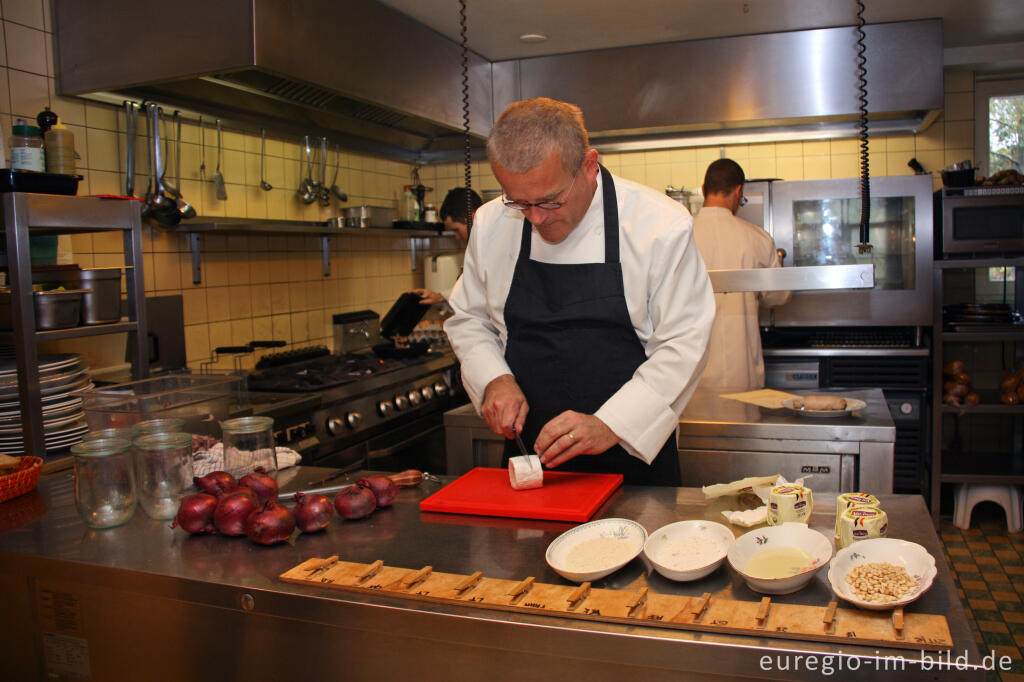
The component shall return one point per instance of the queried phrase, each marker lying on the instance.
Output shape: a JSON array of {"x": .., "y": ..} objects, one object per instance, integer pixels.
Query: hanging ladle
[
  {"x": 323, "y": 190},
  {"x": 264, "y": 185},
  {"x": 307, "y": 190},
  {"x": 337, "y": 191},
  {"x": 187, "y": 210},
  {"x": 163, "y": 209}
]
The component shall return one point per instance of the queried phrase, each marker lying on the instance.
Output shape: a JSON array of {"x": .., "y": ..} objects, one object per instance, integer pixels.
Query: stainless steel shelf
[
  {"x": 56, "y": 214},
  {"x": 954, "y": 263},
  {"x": 971, "y": 337},
  {"x": 76, "y": 332}
]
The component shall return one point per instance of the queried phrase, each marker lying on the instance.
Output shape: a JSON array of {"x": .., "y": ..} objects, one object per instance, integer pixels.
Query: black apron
[{"x": 571, "y": 345}]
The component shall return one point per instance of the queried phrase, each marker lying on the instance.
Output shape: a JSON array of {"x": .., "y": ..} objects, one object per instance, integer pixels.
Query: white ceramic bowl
[
  {"x": 657, "y": 541},
  {"x": 815, "y": 544},
  {"x": 620, "y": 529},
  {"x": 919, "y": 564}
]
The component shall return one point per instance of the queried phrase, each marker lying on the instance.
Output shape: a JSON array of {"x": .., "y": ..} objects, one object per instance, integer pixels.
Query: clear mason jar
[
  {"x": 123, "y": 432},
  {"x": 249, "y": 443},
  {"x": 163, "y": 471},
  {"x": 168, "y": 425},
  {"x": 104, "y": 482}
]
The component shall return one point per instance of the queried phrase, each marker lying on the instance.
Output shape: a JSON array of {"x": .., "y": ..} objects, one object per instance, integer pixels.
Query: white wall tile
[
  {"x": 27, "y": 12},
  {"x": 29, "y": 94}
]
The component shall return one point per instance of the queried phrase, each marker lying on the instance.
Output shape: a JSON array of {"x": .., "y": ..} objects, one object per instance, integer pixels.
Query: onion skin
[
  {"x": 312, "y": 512},
  {"x": 260, "y": 483},
  {"x": 215, "y": 483},
  {"x": 382, "y": 487},
  {"x": 355, "y": 502},
  {"x": 272, "y": 524},
  {"x": 195, "y": 513},
  {"x": 232, "y": 511},
  {"x": 410, "y": 478}
]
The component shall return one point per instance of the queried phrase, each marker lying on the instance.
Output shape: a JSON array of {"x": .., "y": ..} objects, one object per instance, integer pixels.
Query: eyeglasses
[
  {"x": 546, "y": 205},
  {"x": 743, "y": 201}
]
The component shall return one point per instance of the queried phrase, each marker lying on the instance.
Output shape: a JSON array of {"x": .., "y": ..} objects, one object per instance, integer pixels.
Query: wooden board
[
  {"x": 485, "y": 491},
  {"x": 706, "y": 614}
]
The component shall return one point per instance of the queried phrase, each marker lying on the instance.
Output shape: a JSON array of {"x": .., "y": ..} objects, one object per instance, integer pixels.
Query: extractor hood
[{"x": 375, "y": 80}]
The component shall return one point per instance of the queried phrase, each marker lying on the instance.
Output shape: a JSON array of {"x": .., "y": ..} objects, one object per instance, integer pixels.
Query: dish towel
[{"x": 212, "y": 459}]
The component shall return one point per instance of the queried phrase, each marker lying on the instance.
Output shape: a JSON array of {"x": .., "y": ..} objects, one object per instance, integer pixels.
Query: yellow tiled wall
[{"x": 257, "y": 287}]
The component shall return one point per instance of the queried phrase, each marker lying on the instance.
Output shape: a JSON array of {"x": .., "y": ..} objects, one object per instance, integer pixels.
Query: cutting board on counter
[{"x": 485, "y": 491}]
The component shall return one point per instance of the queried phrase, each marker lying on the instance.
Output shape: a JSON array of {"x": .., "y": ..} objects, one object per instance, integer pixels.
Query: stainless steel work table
[{"x": 144, "y": 601}]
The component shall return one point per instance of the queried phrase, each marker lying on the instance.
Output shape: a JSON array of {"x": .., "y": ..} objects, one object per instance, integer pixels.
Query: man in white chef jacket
[
  {"x": 583, "y": 313},
  {"x": 728, "y": 242}
]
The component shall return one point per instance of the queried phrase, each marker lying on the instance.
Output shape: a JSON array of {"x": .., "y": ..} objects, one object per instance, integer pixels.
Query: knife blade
[{"x": 522, "y": 448}]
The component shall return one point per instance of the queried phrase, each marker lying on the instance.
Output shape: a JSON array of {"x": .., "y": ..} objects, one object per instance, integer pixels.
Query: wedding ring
[{"x": 571, "y": 437}]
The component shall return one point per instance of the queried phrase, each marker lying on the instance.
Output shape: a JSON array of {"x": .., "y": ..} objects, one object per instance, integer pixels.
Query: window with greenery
[{"x": 999, "y": 125}]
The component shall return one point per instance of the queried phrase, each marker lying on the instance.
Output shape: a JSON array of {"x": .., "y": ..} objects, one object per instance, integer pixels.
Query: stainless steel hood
[{"x": 375, "y": 80}]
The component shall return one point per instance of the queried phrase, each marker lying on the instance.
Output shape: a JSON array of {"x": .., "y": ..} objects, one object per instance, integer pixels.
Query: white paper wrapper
[{"x": 525, "y": 472}]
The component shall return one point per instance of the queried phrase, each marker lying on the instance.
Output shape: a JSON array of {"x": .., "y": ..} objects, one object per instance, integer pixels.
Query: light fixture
[{"x": 533, "y": 38}]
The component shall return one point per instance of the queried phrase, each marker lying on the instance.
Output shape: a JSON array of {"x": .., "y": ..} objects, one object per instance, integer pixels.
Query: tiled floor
[{"x": 988, "y": 566}]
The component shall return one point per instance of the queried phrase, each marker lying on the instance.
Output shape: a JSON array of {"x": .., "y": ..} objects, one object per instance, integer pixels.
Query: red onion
[
  {"x": 195, "y": 514},
  {"x": 270, "y": 525},
  {"x": 382, "y": 487},
  {"x": 260, "y": 483},
  {"x": 355, "y": 502},
  {"x": 232, "y": 511},
  {"x": 312, "y": 512},
  {"x": 215, "y": 483}
]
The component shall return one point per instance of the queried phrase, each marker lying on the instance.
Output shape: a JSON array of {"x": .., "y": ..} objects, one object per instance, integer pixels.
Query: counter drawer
[{"x": 832, "y": 472}]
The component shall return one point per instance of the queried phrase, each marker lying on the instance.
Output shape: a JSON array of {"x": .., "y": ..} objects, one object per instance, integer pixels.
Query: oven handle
[{"x": 388, "y": 451}]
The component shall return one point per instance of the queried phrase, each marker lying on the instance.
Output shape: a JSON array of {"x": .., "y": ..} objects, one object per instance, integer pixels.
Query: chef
[
  {"x": 726, "y": 242},
  {"x": 456, "y": 219},
  {"x": 582, "y": 316}
]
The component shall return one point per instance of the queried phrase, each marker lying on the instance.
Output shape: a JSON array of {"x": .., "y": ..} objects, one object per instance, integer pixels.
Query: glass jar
[
  {"x": 104, "y": 482},
  {"x": 163, "y": 471},
  {"x": 27, "y": 148},
  {"x": 125, "y": 432},
  {"x": 170, "y": 425},
  {"x": 249, "y": 443}
]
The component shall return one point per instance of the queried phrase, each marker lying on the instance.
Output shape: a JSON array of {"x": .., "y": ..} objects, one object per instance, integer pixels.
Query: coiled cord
[
  {"x": 465, "y": 114},
  {"x": 862, "y": 98}
]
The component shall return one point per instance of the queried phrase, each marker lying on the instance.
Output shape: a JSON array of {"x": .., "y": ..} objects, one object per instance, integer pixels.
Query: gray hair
[{"x": 529, "y": 131}]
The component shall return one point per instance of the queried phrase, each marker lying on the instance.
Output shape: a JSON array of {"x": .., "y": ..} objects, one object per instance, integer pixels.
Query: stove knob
[
  {"x": 440, "y": 389},
  {"x": 427, "y": 392},
  {"x": 335, "y": 427},
  {"x": 385, "y": 408},
  {"x": 414, "y": 398},
  {"x": 401, "y": 402},
  {"x": 354, "y": 419}
]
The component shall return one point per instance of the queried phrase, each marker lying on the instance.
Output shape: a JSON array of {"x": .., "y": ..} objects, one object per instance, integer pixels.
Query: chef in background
[
  {"x": 727, "y": 242},
  {"x": 455, "y": 218},
  {"x": 583, "y": 311}
]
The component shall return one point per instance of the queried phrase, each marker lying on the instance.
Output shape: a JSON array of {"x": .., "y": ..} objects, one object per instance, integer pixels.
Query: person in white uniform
[
  {"x": 582, "y": 316},
  {"x": 727, "y": 242},
  {"x": 457, "y": 215}
]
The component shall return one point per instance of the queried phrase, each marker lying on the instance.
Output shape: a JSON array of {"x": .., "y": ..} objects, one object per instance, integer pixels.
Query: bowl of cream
[
  {"x": 688, "y": 550},
  {"x": 596, "y": 549},
  {"x": 779, "y": 559}
]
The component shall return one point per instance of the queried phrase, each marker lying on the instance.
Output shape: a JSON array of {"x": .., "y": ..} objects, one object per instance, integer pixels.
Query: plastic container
[
  {"x": 104, "y": 482},
  {"x": 26, "y": 145},
  {"x": 38, "y": 183},
  {"x": 249, "y": 443},
  {"x": 59, "y": 145},
  {"x": 163, "y": 472}
]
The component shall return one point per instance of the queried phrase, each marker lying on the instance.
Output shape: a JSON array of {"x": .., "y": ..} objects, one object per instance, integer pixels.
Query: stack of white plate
[{"x": 62, "y": 381}]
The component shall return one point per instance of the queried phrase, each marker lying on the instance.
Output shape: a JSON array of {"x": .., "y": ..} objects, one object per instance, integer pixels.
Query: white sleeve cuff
[{"x": 640, "y": 418}]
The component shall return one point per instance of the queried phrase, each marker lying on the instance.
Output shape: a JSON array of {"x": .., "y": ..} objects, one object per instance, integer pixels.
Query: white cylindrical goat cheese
[{"x": 525, "y": 472}]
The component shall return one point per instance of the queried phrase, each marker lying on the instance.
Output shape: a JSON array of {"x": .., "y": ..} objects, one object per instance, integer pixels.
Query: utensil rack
[
  {"x": 25, "y": 215},
  {"x": 895, "y": 629}
]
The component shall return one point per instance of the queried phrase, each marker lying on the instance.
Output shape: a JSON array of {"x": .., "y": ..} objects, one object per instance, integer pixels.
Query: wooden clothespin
[
  {"x": 578, "y": 595},
  {"x": 371, "y": 570},
  {"x": 897, "y": 622},
  {"x": 520, "y": 589},
  {"x": 829, "y": 619},
  {"x": 468, "y": 582},
  {"x": 762, "y": 612},
  {"x": 638, "y": 599},
  {"x": 417, "y": 577},
  {"x": 322, "y": 566},
  {"x": 701, "y": 605}
]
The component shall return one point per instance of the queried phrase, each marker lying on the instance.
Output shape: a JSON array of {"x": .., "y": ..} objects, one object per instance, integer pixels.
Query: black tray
[
  {"x": 38, "y": 183},
  {"x": 403, "y": 317}
]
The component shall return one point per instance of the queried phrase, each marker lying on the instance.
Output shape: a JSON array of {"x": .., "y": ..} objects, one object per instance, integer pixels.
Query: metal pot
[{"x": 369, "y": 216}]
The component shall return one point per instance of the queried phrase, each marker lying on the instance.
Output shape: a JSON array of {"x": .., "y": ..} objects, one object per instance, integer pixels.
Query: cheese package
[
  {"x": 789, "y": 503},
  {"x": 847, "y": 500},
  {"x": 525, "y": 472},
  {"x": 861, "y": 523}
]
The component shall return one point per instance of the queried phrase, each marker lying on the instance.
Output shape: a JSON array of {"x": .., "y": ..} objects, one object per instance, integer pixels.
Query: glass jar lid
[
  {"x": 101, "y": 447},
  {"x": 162, "y": 441},
  {"x": 247, "y": 424}
]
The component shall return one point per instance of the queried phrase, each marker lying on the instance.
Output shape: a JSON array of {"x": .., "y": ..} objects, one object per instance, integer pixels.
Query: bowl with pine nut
[{"x": 881, "y": 573}]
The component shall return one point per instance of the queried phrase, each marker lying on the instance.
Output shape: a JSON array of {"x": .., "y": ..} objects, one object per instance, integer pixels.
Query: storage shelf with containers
[
  {"x": 978, "y": 412},
  {"x": 29, "y": 215}
]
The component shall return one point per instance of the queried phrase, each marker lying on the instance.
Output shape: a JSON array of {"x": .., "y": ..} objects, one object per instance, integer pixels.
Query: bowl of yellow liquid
[{"x": 779, "y": 559}]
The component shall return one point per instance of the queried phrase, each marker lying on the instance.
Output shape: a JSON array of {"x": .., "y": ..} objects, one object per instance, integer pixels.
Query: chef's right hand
[
  {"x": 428, "y": 297},
  {"x": 504, "y": 408}
]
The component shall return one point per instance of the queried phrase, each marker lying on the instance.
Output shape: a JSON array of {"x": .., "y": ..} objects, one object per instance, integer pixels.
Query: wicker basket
[{"x": 23, "y": 480}]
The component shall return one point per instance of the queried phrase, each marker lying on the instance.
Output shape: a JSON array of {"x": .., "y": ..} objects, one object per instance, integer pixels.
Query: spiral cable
[
  {"x": 465, "y": 115},
  {"x": 862, "y": 125}
]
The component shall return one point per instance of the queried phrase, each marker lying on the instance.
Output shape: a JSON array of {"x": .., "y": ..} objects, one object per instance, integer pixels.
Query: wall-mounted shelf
[
  {"x": 74, "y": 332},
  {"x": 324, "y": 230}
]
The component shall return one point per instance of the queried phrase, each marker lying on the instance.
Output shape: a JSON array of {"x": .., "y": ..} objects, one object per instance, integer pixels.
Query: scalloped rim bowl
[
  {"x": 917, "y": 561},
  {"x": 790, "y": 534},
  {"x": 602, "y": 528},
  {"x": 681, "y": 529}
]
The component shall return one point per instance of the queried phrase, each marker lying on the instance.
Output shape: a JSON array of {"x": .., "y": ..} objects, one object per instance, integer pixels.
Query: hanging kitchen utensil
[
  {"x": 202, "y": 151},
  {"x": 220, "y": 189},
  {"x": 264, "y": 185},
  {"x": 335, "y": 190},
  {"x": 163, "y": 209},
  {"x": 130, "y": 124},
  {"x": 307, "y": 189},
  {"x": 324, "y": 192},
  {"x": 187, "y": 210},
  {"x": 169, "y": 189}
]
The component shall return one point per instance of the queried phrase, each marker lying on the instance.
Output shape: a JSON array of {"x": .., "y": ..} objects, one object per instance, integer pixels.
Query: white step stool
[{"x": 966, "y": 495}]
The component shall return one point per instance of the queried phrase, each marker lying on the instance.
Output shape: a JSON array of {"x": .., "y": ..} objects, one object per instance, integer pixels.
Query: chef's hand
[
  {"x": 428, "y": 297},
  {"x": 570, "y": 434},
  {"x": 504, "y": 408}
]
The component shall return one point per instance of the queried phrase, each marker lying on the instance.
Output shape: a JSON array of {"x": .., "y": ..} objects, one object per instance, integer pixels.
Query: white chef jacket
[
  {"x": 734, "y": 353},
  {"x": 667, "y": 290}
]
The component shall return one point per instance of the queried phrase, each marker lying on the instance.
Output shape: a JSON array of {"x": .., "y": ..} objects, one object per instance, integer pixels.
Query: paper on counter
[
  {"x": 766, "y": 397},
  {"x": 747, "y": 517},
  {"x": 761, "y": 486}
]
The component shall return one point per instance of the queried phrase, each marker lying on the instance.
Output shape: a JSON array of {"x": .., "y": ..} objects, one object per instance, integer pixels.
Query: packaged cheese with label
[{"x": 789, "y": 503}]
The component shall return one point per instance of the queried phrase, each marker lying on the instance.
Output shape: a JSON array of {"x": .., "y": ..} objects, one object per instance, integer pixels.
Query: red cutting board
[{"x": 565, "y": 495}]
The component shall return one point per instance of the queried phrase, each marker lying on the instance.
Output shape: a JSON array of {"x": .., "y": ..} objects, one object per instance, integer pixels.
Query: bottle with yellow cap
[{"x": 59, "y": 143}]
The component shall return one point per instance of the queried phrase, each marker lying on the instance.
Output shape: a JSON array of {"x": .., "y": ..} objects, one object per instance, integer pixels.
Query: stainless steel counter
[{"x": 144, "y": 601}]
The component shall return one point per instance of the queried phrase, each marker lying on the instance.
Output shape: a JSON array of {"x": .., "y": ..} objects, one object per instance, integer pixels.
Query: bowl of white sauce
[
  {"x": 596, "y": 549},
  {"x": 779, "y": 559},
  {"x": 688, "y": 550}
]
